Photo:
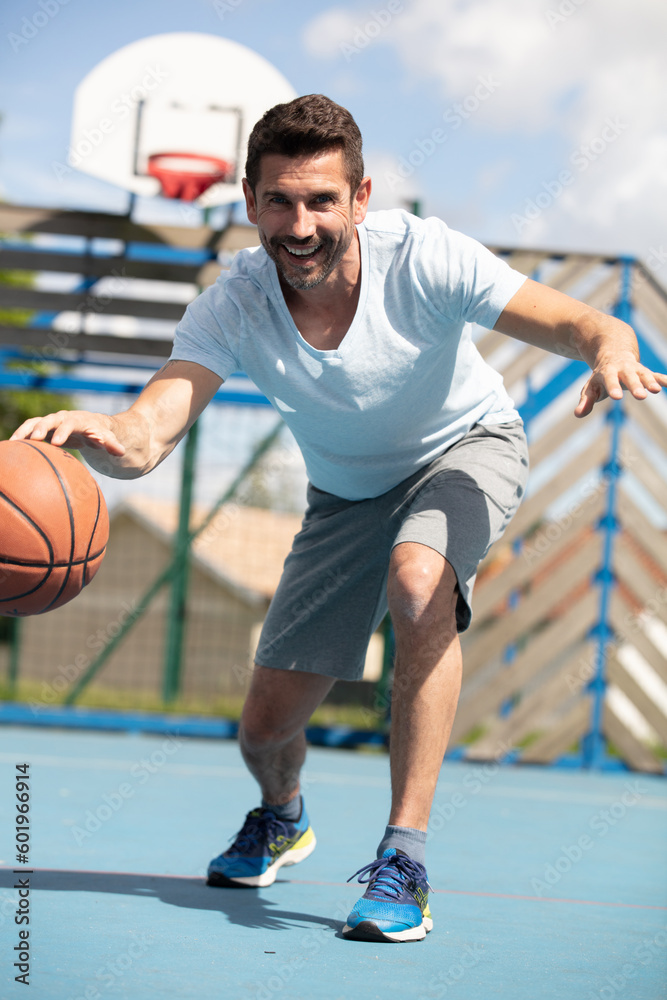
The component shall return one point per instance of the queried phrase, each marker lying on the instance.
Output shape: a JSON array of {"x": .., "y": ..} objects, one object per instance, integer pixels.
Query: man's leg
[
  {"x": 271, "y": 735},
  {"x": 422, "y": 595},
  {"x": 273, "y": 745},
  {"x": 463, "y": 506}
]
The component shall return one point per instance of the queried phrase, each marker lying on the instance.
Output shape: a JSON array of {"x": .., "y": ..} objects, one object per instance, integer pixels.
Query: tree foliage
[{"x": 17, "y": 405}]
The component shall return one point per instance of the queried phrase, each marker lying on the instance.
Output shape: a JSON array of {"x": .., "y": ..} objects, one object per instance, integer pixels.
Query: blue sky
[{"x": 517, "y": 93}]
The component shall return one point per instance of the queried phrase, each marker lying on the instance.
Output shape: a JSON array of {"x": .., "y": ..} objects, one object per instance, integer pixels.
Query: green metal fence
[{"x": 172, "y": 616}]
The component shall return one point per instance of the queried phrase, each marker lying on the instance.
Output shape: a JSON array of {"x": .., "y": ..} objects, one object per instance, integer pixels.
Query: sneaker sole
[
  {"x": 303, "y": 847},
  {"x": 366, "y": 930}
]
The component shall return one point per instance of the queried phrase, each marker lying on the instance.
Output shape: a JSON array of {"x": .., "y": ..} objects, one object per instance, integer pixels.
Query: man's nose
[{"x": 303, "y": 223}]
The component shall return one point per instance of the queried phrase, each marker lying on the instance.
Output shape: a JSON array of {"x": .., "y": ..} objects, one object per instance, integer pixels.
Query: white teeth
[{"x": 301, "y": 251}]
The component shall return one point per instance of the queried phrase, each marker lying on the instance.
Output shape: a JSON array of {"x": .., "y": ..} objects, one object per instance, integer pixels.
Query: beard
[{"x": 329, "y": 254}]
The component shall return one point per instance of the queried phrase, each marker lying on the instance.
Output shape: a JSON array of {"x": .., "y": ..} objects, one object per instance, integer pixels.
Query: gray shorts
[{"x": 332, "y": 595}]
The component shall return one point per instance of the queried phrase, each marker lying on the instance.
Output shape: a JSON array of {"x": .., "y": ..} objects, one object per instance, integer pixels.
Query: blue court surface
[{"x": 548, "y": 883}]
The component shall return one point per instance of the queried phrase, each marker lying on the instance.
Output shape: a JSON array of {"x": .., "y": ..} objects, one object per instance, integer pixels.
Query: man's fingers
[
  {"x": 612, "y": 385},
  {"x": 25, "y": 430},
  {"x": 72, "y": 429},
  {"x": 74, "y": 433},
  {"x": 633, "y": 380},
  {"x": 653, "y": 381},
  {"x": 642, "y": 380},
  {"x": 610, "y": 382},
  {"x": 109, "y": 441},
  {"x": 589, "y": 396},
  {"x": 36, "y": 428}
]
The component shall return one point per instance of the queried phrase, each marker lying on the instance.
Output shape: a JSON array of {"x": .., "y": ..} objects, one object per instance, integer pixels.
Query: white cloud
[
  {"x": 388, "y": 189},
  {"x": 607, "y": 58},
  {"x": 618, "y": 203},
  {"x": 325, "y": 34},
  {"x": 559, "y": 75},
  {"x": 492, "y": 175}
]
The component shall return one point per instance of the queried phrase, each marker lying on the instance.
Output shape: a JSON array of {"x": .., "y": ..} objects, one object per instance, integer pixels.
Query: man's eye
[
  {"x": 277, "y": 200},
  {"x": 322, "y": 199}
]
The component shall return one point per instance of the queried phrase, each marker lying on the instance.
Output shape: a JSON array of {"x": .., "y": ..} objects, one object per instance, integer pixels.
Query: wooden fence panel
[
  {"x": 530, "y": 712},
  {"x": 535, "y": 607},
  {"x": 652, "y": 712},
  {"x": 509, "y": 679},
  {"x": 566, "y": 732},
  {"x": 532, "y": 510},
  {"x": 647, "y": 475},
  {"x": 539, "y": 549},
  {"x": 634, "y": 575},
  {"x": 544, "y": 598},
  {"x": 633, "y": 751},
  {"x": 641, "y": 529},
  {"x": 627, "y": 626},
  {"x": 27, "y": 298},
  {"x": 30, "y": 339}
]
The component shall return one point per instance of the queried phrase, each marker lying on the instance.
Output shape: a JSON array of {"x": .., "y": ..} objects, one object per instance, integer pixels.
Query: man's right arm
[{"x": 131, "y": 443}]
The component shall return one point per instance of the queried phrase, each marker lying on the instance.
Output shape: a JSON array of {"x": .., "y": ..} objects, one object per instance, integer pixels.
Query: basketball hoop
[
  {"x": 193, "y": 126},
  {"x": 188, "y": 175}
]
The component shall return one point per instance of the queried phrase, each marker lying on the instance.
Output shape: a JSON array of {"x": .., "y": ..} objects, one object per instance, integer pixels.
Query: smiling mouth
[{"x": 302, "y": 252}]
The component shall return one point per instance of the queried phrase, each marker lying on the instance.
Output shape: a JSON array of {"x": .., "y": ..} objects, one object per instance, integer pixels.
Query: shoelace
[
  {"x": 387, "y": 875},
  {"x": 259, "y": 823}
]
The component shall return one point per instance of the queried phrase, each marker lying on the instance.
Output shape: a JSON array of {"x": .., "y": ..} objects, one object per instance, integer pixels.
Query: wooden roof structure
[{"x": 243, "y": 548}]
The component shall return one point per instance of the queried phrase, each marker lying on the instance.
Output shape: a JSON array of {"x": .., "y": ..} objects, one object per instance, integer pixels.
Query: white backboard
[{"x": 175, "y": 93}]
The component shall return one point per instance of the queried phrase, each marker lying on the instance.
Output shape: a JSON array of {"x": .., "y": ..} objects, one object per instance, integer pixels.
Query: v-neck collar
[{"x": 344, "y": 346}]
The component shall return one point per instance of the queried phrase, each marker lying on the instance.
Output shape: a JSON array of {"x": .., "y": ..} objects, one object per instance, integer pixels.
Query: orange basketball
[{"x": 54, "y": 527}]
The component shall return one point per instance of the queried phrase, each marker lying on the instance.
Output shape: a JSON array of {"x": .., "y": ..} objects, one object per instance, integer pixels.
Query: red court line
[
  {"x": 295, "y": 881},
  {"x": 546, "y": 899},
  {"x": 508, "y": 895},
  {"x": 102, "y": 871}
]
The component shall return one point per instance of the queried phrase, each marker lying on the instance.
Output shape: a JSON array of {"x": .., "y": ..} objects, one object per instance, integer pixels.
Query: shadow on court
[{"x": 244, "y": 907}]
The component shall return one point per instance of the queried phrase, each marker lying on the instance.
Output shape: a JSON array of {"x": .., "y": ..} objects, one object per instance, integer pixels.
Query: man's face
[{"x": 305, "y": 214}]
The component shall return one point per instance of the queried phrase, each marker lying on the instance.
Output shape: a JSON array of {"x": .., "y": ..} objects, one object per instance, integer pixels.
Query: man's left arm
[{"x": 549, "y": 319}]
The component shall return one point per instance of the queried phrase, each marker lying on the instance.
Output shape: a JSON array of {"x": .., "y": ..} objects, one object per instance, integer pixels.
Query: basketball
[{"x": 54, "y": 527}]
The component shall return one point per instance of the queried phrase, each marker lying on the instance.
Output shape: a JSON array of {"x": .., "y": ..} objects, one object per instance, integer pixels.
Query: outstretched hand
[
  {"x": 71, "y": 429},
  {"x": 610, "y": 378}
]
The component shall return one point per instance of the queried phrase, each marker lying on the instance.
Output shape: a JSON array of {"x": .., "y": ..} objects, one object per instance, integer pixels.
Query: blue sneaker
[
  {"x": 395, "y": 904},
  {"x": 262, "y": 846}
]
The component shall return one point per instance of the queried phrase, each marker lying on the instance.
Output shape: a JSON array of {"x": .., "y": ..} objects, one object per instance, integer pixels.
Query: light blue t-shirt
[{"x": 406, "y": 381}]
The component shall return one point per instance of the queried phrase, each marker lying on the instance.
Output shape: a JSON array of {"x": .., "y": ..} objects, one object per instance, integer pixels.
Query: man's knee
[
  {"x": 422, "y": 586},
  {"x": 279, "y": 705},
  {"x": 262, "y": 728}
]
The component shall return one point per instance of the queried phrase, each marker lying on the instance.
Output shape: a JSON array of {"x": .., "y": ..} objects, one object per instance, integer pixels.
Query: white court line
[
  {"x": 113, "y": 764},
  {"x": 359, "y": 781},
  {"x": 574, "y": 798}
]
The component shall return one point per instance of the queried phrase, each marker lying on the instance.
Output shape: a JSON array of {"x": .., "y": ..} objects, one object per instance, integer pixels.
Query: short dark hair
[{"x": 310, "y": 124}]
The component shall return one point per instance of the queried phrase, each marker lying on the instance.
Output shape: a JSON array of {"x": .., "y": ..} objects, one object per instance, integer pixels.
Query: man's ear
[
  {"x": 250, "y": 202},
  {"x": 361, "y": 199}
]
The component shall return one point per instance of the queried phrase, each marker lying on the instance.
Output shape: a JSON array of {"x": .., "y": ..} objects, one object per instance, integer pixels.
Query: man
[{"x": 354, "y": 326}]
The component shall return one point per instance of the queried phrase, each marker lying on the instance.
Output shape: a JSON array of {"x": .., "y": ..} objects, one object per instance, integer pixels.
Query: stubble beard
[{"x": 331, "y": 254}]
